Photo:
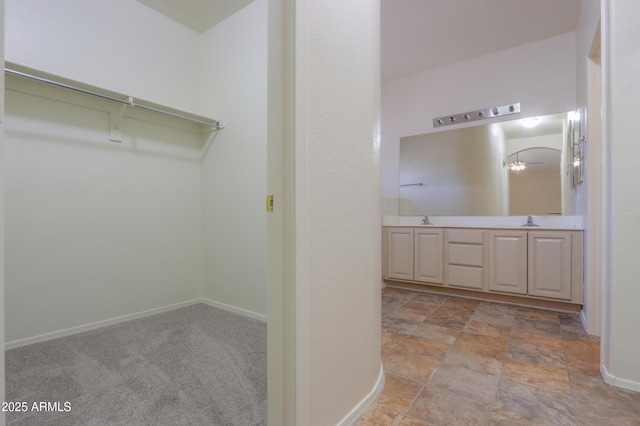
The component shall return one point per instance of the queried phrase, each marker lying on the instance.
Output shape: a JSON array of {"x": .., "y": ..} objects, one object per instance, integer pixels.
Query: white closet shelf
[{"x": 124, "y": 100}]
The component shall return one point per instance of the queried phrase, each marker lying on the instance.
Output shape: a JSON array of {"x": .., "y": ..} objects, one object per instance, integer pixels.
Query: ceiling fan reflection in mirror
[{"x": 518, "y": 165}]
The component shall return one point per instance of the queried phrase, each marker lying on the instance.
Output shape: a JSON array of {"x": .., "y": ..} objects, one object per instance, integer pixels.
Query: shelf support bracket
[
  {"x": 115, "y": 117},
  {"x": 210, "y": 137}
]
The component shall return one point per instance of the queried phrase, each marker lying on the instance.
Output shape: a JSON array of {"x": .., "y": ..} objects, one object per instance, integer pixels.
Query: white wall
[
  {"x": 589, "y": 193},
  {"x": 621, "y": 44},
  {"x": 338, "y": 205},
  {"x": 536, "y": 193},
  {"x": 94, "y": 229},
  {"x": 120, "y": 45},
  {"x": 461, "y": 172},
  {"x": 540, "y": 75},
  {"x": 234, "y": 75},
  {"x": 2, "y": 270}
]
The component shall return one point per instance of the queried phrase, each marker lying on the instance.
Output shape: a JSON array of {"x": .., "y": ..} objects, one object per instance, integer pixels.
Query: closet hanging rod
[{"x": 129, "y": 101}]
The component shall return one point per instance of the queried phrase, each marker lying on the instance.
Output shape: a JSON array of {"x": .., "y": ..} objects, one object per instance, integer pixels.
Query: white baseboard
[
  {"x": 111, "y": 321},
  {"x": 366, "y": 403},
  {"x": 612, "y": 380},
  {"x": 583, "y": 320},
  {"x": 94, "y": 325},
  {"x": 234, "y": 309}
]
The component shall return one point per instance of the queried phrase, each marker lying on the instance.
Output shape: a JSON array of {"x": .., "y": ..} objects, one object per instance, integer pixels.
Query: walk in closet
[{"x": 134, "y": 164}]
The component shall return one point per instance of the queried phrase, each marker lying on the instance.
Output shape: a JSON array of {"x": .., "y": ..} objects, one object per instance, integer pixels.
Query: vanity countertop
[{"x": 545, "y": 223}]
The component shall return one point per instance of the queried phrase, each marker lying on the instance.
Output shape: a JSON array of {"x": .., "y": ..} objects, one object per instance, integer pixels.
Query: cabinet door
[
  {"x": 550, "y": 264},
  {"x": 400, "y": 253},
  {"x": 428, "y": 255},
  {"x": 508, "y": 261}
]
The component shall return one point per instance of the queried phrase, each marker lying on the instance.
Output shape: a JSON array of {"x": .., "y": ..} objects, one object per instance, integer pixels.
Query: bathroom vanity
[{"x": 531, "y": 265}]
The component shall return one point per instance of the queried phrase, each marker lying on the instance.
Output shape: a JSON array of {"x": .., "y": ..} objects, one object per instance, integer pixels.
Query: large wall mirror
[{"x": 516, "y": 167}]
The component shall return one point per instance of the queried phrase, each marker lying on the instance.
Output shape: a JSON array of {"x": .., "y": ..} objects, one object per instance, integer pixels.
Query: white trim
[
  {"x": 584, "y": 320},
  {"x": 136, "y": 315},
  {"x": 612, "y": 380},
  {"x": 95, "y": 325},
  {"x": 300, "y": 256},
  {"x": 366, "y": 403},
  {"x": 234, "y": 309}
]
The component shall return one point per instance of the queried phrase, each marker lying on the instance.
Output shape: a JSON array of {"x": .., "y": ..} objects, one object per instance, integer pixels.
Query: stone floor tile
[
  {"x": 553, "y": 408},
  {"x": 436, "y": 333},
  {"x": 537, "y": 315},
  {"x": 487, "y": 329},
  {"x": 399, "y": 325},
  {"x": 473, "y": 361},
  {"x": 415, "y": 310},
  {"x": 535, "y": 337},
  {"x": 446, "y": 408},
  {"x": 463, "y": 381},
  {"x": 501, "y": 417},
  {"x": 390, "y": 339},
  {"x": 463, "y": 304},
  {"x": 399, "y": 293},
  {"x": 494, "y": 347},
  {"x": 399, "y": 392},
  {"x": 497, "y": 308},
  {"x": 549, "y": 378},
  {"x": 449, "y": 321},
  {"x": 503, "y": 320},
  {"x": 390, "y": 304},
  {"x": 583, "y": 355},
  {"x": 431, "y": 298},
  {"x": 536, "y": 325},
  {"x": 379, "y": 415},
  {"x": 410, "y": 365},
  {"x": 538, "y": 354},
  {"x": 432, "y": 348},
  {"x": 546, "y": 371},
  {"x": 409, "y": 421}
]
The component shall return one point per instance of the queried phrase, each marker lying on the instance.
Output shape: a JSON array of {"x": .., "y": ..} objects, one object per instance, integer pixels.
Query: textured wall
[
  {"x": 95, "y": 229},
  {"x": 2, "y": 315},
  {"x": 120, "y": 45},
  {"x": 621, "y": 62},
  {"x": 234, "y": 76},
  {"x": 339, "y": 107}
]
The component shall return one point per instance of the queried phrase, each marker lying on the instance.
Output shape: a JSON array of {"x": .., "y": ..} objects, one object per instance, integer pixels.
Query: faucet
[
  {"x": 530, "y": 221},
  {"x": 425, "y": 221}
]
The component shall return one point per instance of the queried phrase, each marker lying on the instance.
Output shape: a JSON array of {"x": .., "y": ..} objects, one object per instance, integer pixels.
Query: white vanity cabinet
[
  {"x": 550, "y": 264},
  {"x": 428, "y": 255},
  {"x": 508, "y": 261},
  {"x": 465, "y": 258},
  {"x": 533, "y": 264},
  {"x": 399, "y": 253},
  {"x": 413, "y": 254}
]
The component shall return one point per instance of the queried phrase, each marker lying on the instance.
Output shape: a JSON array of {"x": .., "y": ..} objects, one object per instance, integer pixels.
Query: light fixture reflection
[
  {"x": 517, "y": 166},
  {"x": 530, "y": 122}
]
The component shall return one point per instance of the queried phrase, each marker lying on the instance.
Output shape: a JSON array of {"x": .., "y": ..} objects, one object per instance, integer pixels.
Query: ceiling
[
  {"x": 420, "y": 35},
  {"x": 199, "y": 15},
  {"x": 547, "y": 125}
]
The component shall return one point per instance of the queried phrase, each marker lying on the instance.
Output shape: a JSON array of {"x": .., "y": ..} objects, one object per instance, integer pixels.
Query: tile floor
[{"x": 454, "y": 361}]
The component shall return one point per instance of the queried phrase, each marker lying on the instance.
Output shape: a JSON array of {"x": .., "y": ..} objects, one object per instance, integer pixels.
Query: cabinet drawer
[
  {"x": 470, "y": 236},
  {"x": 466, "y": 276},
  {"x": 466, "y": 254}
]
